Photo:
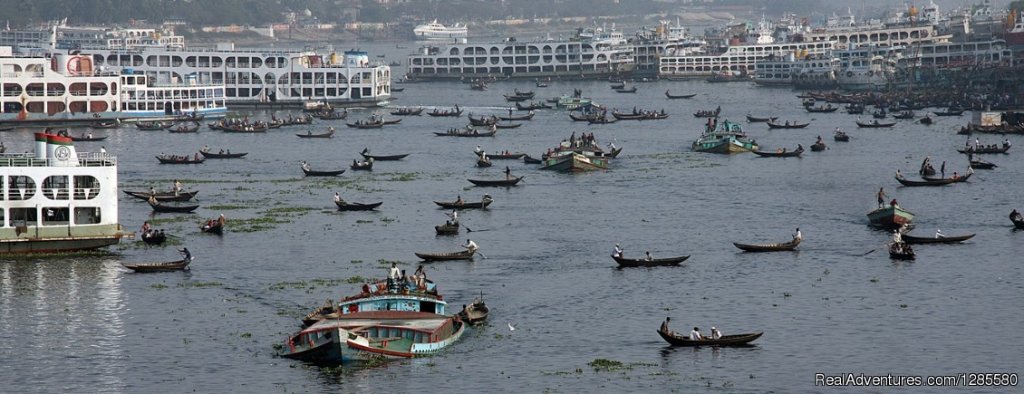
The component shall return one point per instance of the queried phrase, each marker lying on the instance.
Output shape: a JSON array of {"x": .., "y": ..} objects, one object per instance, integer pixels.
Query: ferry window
[
  {"x": 2, "y": 211},
  {"x": 23, "y": 217},
  {"x": 87, "y": 215},
  {"x": 55, "y": 216},
  {"x": 56, "y": 187},
  {"x": 20, "y": 187},
  {"x": 86, "y": 187}
]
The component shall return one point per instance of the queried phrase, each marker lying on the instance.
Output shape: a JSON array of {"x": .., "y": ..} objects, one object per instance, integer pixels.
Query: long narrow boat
[
  {"x": 982, "y": 165},
  {"x": 910, "y": 239},
  {"x": 150, "y": 126},
  {"x": 368, "y": 156},
  {"x": 88, "y": 138},
  {"x": 668, "y": 261},
  {"x": 496, "y": 182},
  {"x": 777, "y": 247},
  {"x": 874, "y": 124},
  {"x": 179, "y": 160},
  {"x": 507, "y": 125},
  {"x": 793, "y": 153},
  {"x": 322, "y": 173},
  {"x": 933, "y": 182},
  {"x": 771, "y": 124},
  {"x": 985, "y": 150},
  {"x": 510, "y": 118},
  {"x": 310, "y": 134},
  {"x": 455, "y": 113},
  {"x": 354, "y": 206},
  {"x": 531, "y": 160},
  {"x": 211, "y": 155},
  {"x": 467, "y": 133},
  {"x": 184, "y": 128},
  {"x": 169, "y": 208},
  {"x": 532, "y": 106},
  {"x": 679, "y": 96},
  {"x": 460, "y": 255},
  {"x": 180, "y": 265},
  {"x": 163, "y": 196},
  {"x": 758, "y": 119},
  {"x": 726, "y": 340},
  {"x": 407, "y": 111},
  {"x": 365, "y": 125},
  {"x": 465, "y": 205}
]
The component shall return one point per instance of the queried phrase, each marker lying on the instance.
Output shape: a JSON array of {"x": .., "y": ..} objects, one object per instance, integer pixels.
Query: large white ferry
[
  {"x": 573, "y": 58},
  {"x": 68, "y": 88},
  {"x": 436, "y": 31},
  {"x": 737, "y": 59},
  {"x": 57, "y": 199}
]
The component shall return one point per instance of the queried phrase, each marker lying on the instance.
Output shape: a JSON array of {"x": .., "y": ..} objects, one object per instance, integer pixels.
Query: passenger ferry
[
  {"x": 737, "y": 59},
  {"x": 437, "y": 31},
  {"x": 68, "y": 88},
  {"x": 57, "y": 199},
  {"x": 576, "y": 57},
  {"x": 664, "y": 40}
]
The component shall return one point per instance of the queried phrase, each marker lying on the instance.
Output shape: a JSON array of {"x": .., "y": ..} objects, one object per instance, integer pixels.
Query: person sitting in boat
[
  {"x": 617, "y": 252},
  {"x": 206, "y": 148},
  {"x": 177, "y": 187},
  {"x": 798, "y": 234},
  {"x": 695, "y": 335},
  {"x": 893, "y": 203},
  {"x": 305, "y": 166},
  {"x": 403, "y": 280},
  {"x": 899, "y": 175},
  {"x": 819, "y": 141},
  {"x": 715, "y": 334},
  {"x": 470, "y": 246},
  {"x": 186, "y": 255},
  {"x": 152, "y": 190},
  {"x": 337, "y": 198},
  {"x": 664, "y": 326},
  {"x": 1006, "y": 143},
  {"x": 145, "y": 228},
  {"x": 152, "y": 200},
  {"x": 221, "y": 220},
  {"x": 1016, "y": 216},
  {"x": 647, "y": 256},
  {"x": 897, "y": 237},
  {"x": 454, "y": 215},
  {"x": 939, "y": 234},
  {"x": 955, "y": 176},
  {"x": 420, "y": 276}
]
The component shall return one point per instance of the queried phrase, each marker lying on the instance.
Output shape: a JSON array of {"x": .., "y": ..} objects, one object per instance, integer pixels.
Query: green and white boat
[{"x": 727, "y": 139}]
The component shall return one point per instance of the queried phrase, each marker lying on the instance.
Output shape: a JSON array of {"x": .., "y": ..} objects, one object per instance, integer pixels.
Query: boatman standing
[
  {"x": 394, "y": 272},
  {"x": 881, "y": 197},
  {"x": 470, "y": 246},
  {"x": 186, "y": 254},
  {"x": 508, "y": 173}
]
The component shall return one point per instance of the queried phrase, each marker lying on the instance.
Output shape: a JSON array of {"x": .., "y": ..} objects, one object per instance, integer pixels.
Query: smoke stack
[
  {"x": 61, "y": 151},
  {"x": 41, "y": 145}
]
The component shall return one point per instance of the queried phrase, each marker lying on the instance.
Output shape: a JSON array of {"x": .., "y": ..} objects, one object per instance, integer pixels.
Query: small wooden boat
[
  {"x": 104, "y": 125},
  {"x": 616, "y": 86},
  {"x": 390, "y": 121},
  {"x": 787, "y": 125},
  {"x": 841, "y": 137},
  {"x": 820, "y": 109},
  {"x": 163, "y": 196},
  {"x": 504, "y": 156},
  {"x": 793, "y": 153},
  {"x": 483, "y": 162},
  {"x": 366, "y": 125},
  {"x": 180, "y": 160},
  {"x": 758, "y": 119},
  {"x": 993, "y": 149},
  {"x": 172, "y": 208},
  {"x": 310, "y": 134},
  {"x": 874, "y": 124},
  {"x": 467, "y": 133},
  {"x": 465, "y": 205},
  {"x": 474, "y": 313},
  {"x": 901, "y": 251},
  {"x": 396, "y": 90},
  {"x": 933, "y": 182},
  {"x": 322, "y": 173},
  {"x": 180, "y": 265},
  {"x": 818, "y": 147},
  {"x": 926, "y": 120},
  {"x": 982, "y": 165},
  {"x": 778, "y": 247},
  {"x": 86, "y": 138},
  {"x": 405, "y": 111},
  {"x": 532, "y": 106},
  {"x": 227, "y": 155},
  {"x": 510, "y": 118},
  {"x": 454, "y": 113},
  {"x": 154, "y": 237},
  {"x": 185, "y": 128},
  {"x": 213, "y": 227},
  {"x": 354, "y": 206},
  {"x": 332, "y": 115},
  {"x": 447, "y": 229},
  {"x": 681, "y": 96},
  {"x": 726, "y": 340},
  {"x": 708, "y": 113},
  {"x": 908, "y": 114},
  {"x": 368, "y": 156},
  {"x": 669, "y": 261},
  {"x": 910, "y": 239},
  {"x": 624, "y": 90},
  {"x": 949, "y": 112},
  {"x": 496, "y": 182},
  {"x": 890, "y": 217},
  {"x": 507, "y": 125},
  {"x": 1018, "y": 222},
  {"x": 362, "y": 166},
  {"x": 461, "y": 255},
  {"x": 482, "y": 121},
  {"x": 531, "y": 160}
]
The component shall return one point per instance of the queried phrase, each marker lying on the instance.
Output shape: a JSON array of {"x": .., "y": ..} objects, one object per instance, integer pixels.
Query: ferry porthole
[{"x": 849, "y": 73}]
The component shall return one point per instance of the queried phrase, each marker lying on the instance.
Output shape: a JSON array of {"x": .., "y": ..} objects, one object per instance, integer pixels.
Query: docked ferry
[
  {"x": 58, "y": 199},
  {"x": 68, "y": 88},
  {"x": 437, "y": 31},
  {"x": 578, "y": 57}
]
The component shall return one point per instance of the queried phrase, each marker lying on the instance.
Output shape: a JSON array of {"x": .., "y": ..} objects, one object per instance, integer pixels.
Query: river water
[{"x": 839, "y": 305}]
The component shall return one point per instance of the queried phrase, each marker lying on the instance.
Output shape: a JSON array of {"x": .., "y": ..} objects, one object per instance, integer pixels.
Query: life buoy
[{"x": 849, "y": 73}]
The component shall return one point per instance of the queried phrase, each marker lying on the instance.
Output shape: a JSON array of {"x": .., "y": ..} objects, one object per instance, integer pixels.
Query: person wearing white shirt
[
  {"x": 695, "y": 334},
  {"x": 470, "y": 245},
  {"x": 394, "y": 273},
  {"x": 715, "y": 334},
  {"x": 939, "y": 234},
  {"x": 617, "y": 252},
  {"x": 896, "y": 236},
  {"x": 798, "y": 234}
]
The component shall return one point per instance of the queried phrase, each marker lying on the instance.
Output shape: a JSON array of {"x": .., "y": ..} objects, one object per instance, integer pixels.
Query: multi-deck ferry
[
  {"x": 57, "y": 199},
  {"x": 437, "y": 31}
]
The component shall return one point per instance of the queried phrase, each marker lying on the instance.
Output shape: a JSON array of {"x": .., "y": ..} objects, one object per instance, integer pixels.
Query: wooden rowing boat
[
  {"x": 474, "y": 313},
  {"x": 447, "y": 229},
  {"x": 777, "y": 247},
  {"x": 793, "y": 153},
  {"x": 669, "y": 261},
  {"x": 726, "y": 340},
  {"x": 933, "y": 182},
  {"x": 180, "y": 265},
  {"x": 211, "y": 155},
  {"x": 368, "y": 156},
  {"x": 354, "y": 206},
  {"x": 322, "y": 173},
  {"x": 163, "y": 196},
  {"x": 771, "y": 124},
  {"x": 496, "y": 182},
  {"x": 680, "y": 96},
  {"x": 310, "y": 134},
  {"x": 875, "y": 124},
  {"x": 461, "y": 255},
  {"x": 168, "y": 208},
  {"x": 910, "y": 239},
  {"x": 465, "y": 205}
]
